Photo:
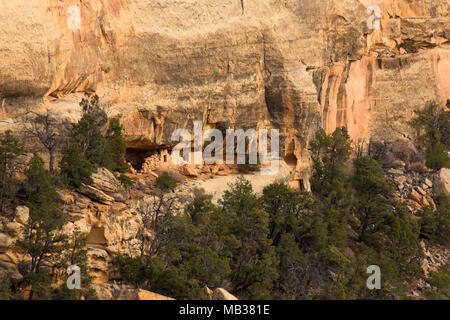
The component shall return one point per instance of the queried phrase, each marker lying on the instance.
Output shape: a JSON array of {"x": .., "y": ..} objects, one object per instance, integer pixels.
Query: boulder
[
  {"x": 420, "y": 190},
  {"x": 398, "y": 164},
  {"x": 13, "y": 228},
  {"x": 106, "y": 291},
  {"x": 125, "y": 293},
  {"x": 115, "y": 291},
  {"x": 441, "y": 182},
  {"x": 214, "y": 169},
  {"x": 9, "y": 270},
  {"x": 413, "y": 205},
  {"x": 207, "y": 293},
  {"x": 189, "y": 171},
  {"x": 395, "y": 171},
  {"x": 95, "y": 194},
  {"x": 206, "y": 169},
  {"x": 222, "y": 294},
  {"x": 425, "y": 202},
  {"x": 428, "y": 182},
  {"x": 5, "y": 240},
  {"x": 22, "y": 214},
  {"x": 147, "y": 295},
  {"x": 139, "y": 294},
  {"x": 415, "y": 196},
  {"x": 105, "y": 181},
  {"x": 99, "y": 261},
  {"x": 432, "y": 203},
  {"x": 118, "y": 207},
  {"x": 224, "y": 170},
  {"x": 400, "y": 180}
]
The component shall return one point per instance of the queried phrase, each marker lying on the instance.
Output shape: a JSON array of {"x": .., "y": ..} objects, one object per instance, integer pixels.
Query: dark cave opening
[
  {"x": 136, "y": 157},
  {"x": 291, "y": 161}
]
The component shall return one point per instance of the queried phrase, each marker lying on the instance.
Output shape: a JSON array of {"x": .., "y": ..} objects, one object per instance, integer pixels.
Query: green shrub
[
  {"x": 131, "y": 270},
  {"x": 10, "y": 149},
  {"x": 40, "y": 242},
  {"x": 166, "y": 182},
  {"x": 75, "y": 169},
  {"x": 246, "y": 168},
  {"x": 5, "y": 289},
  {"x": 437, "y": 156},
  {"x": 126, "y": 181},
  {"x": 434, "y": 225},
  {"x": 440, "y": 284},
  {"x": 115, "y": 147},
  {"x": 287, "y": 244},
  {"x": 89, "y": 148},
  {"x": 432, "y": 126}
]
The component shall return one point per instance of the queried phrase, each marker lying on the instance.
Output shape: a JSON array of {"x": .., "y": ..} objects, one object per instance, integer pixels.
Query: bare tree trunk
[{"x": 51, "y": 161}]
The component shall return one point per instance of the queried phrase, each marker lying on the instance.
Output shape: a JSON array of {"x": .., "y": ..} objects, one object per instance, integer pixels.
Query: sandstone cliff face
[{"x": 294, "y": 65}]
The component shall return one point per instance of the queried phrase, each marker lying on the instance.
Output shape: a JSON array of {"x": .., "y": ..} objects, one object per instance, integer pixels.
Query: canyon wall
[{"x": 294, "y": 65}]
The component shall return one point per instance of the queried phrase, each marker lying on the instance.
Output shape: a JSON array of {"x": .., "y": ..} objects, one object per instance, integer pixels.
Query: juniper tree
[
  {"x": 41, "y": 240},
  {"x": 330, "y": 182},
  {"x": 10, "y": 149},
  {"x": 75, "y": 168},
  {"x": 435, "y": 224},
  {"x": 439, "y": 282},
  {"x": 74, "y": 253},
  {"x": 385, "y": 227},
  {"x": 115, "y": 147},
  {"x": 374, "y": 192},
  {"x": 254, "y": 263},
  {"x": 330, "y": 155},
  {"x": 87, "y": 132},
  {"x": 93, "y": 142},
  {"x": 432, "y": 125}
]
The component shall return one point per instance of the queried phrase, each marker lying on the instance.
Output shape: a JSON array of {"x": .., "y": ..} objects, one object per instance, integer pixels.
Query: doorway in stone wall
[{"x": 136, "y": 157}]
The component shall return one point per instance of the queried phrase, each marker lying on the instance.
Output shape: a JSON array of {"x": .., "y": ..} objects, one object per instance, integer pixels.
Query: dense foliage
[
  {"x": 94, "y": 141},
  {"x": 287, "y": 244},
  {"x": 281, "y": 244},
  {"x": 10, "y": 150},
  {"x": 44, "y": 246},
  {"x": 435, "y": 224}
]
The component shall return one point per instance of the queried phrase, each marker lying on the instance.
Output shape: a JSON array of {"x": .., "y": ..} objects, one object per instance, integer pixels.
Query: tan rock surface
[
  {"x": 5, "y": 241},
  {"x": 105, "y": 181},
  {"x": 147, "y": 295},
  {"x": 415, "y": 196},
  {"x": 293, "y": 65},
  {"x": 108, "y": 291},
  {"x": 95, "y": 194},
  {"x": 441, "y": 182},
  {"x": 222, "y": 294},
  {"x": 22, "y": 214}
]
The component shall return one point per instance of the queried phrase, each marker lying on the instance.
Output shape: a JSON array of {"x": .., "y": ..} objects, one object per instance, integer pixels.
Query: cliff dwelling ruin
[{"x": 146, "y": 161}]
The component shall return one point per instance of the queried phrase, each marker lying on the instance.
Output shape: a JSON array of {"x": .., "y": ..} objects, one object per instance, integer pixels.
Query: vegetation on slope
[{"x": 282, "y": 244}]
